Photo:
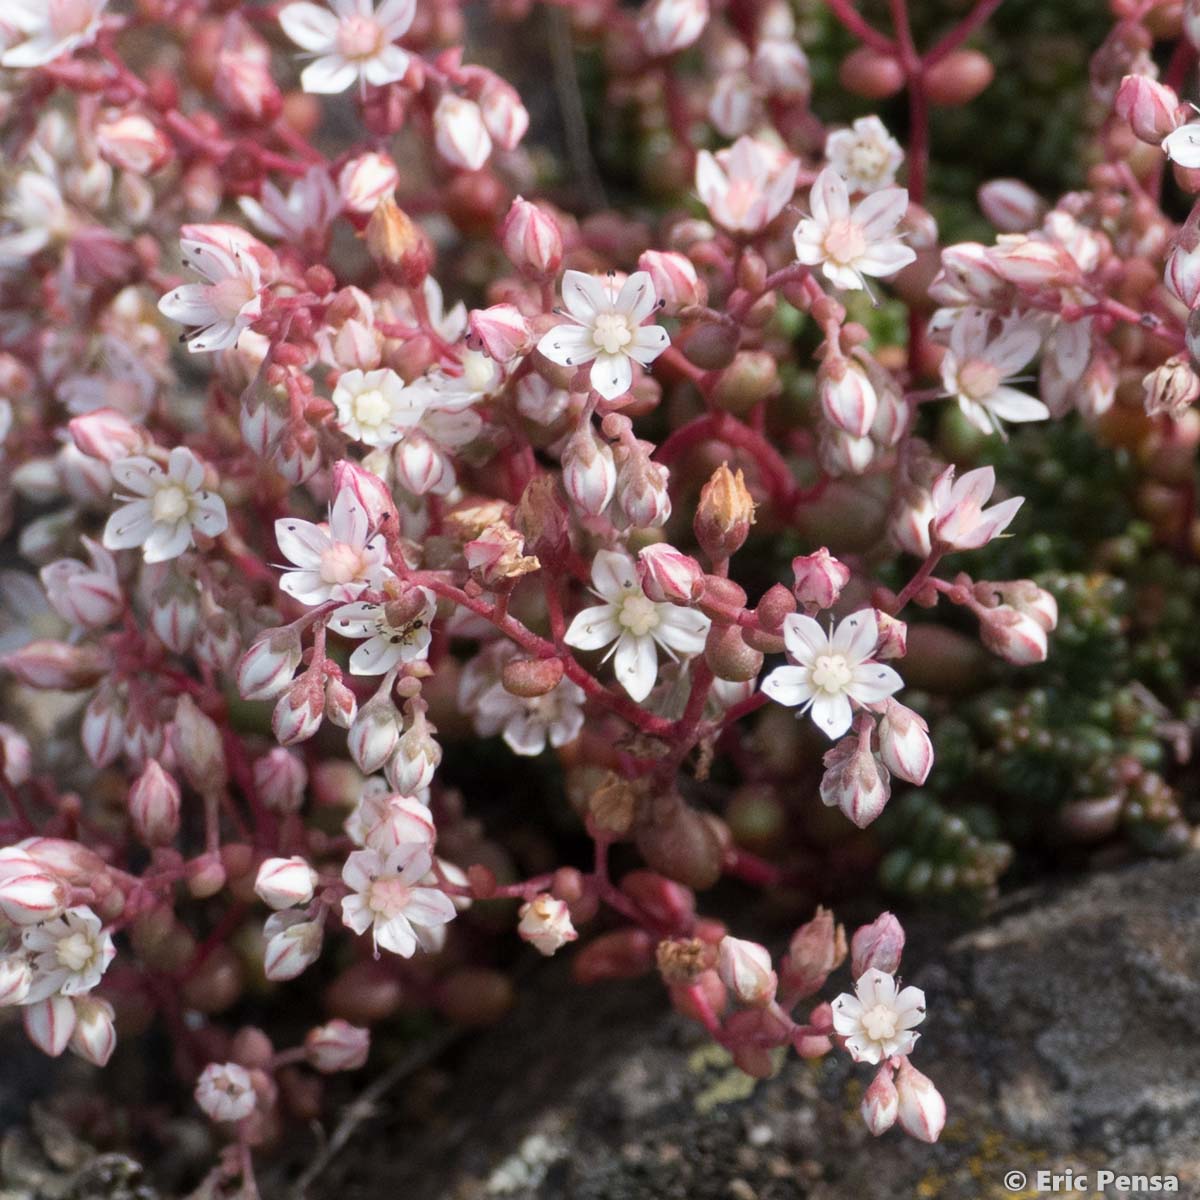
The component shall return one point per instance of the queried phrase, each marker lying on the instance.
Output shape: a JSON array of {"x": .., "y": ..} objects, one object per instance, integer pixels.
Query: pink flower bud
[
  {"x": 296, "y": 454},
  {"x": 154, "y": 805},
  {"x": 374, "y": 734},
  {"x": 745, "y": 969},
  {"x": 881, "y": 1103},
  {"x": 589, "y": 472},
  {"x": 87, "y": 597},
  {"x": 175, "y": 612},
  {"x": 225, "y": 1092},
  {"x": 280, "y": 778},
  {"x": 337, "y": 1046},
  {"x": 421, "y": 467},
  {"x": 1182, "y": 274},
  {"x": 103, "y": 728},
  {"x": 416, "y": 758},
  {"x": 404, "y": 821},
  {"x": 133, "y": 142},
  {"x": 819, "y": 578},
  {"x": 106, "y": 434},
  {"x": 50, "y": 1023},
  {"x": 196, "y": 741},
  {"x": 504, "y": 116},
  {"x": 16, "y": 756},
  {"x": 1011, "y": 205},
  {"x": 920, "y": 1108},
  {"x": 546, "y": 923},
  {"x": 299, "y": 711},
  {"x": 676, "y": 283},
  {"x": 341, "y": 706},
  {"x": 532, "y": 239},
  {"x": 56, "y": 666},
  {"x": 242, "y": 81},
  {"x": 16, "y": 978},
  {"x": 641, "y": 498},
  {"x": 815, "y": 950},
  {"x": 142, "y": 737},
  {"x": 502, "y": 331},
  {"x": 285, "y": 882},
  {"x": 1150, "y": 107},
  {"x": 459, "y": 134},
  {"x": 669, "y": 575},
  {"x": 847, "y": 398},
  {"x": 366, "y": 180},
  {"x": 293, "y": 945},
  {"x": 266, "y": 669},
  {"x": 668, "y": 26},
  {"x": 904, "y": 744},
  {"x": 1031, "y": 264},
  {"x": 369, "y": 490},
  {"x": 841, "y": 453},
  {"x": 218, "y": 642},
  {"x": 1015, "y": 636},
  {"x": 780, "y": 67},
  {"x": 33, "y": 897},
  {"x": 878, "y": 945},
  {"x": 94, "y": 1037},
  {"x": 855, "y": 780}
]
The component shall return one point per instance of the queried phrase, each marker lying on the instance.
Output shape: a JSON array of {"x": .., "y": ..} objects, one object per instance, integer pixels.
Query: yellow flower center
[
  {"x": 868, "y": 160},
  {"x": 171, "y": 503},
  {"x": 74, "y": 951},
  {"x": 880, "y": 1023},
  {"x": 612, "y": 333},
  {"x": 638, "y": 614},
  {"x": 371, "y": 408},
  {"x": 831, "y": 673}
]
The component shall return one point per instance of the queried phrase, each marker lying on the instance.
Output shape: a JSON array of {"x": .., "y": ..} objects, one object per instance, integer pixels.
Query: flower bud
[
  {"x": 881, "y": 1103},
  {"x": 546, "y": 923},
  {"x": 416, "y": 758},
  {"x": 280, "y": 779},
  {"x": 855, "y": 781},
  {"x": 50, "y": 1023},
  {"x": 1150, "y": 107},
  {"x": 724, "y": 514},
  {"x": 819, "y": 579},
  {"x": 405, "y": 821},
  {"x": 154, "y": 805},
  {"x": 504, "y": 116},
  {"x": 132, "y": 142},
  {"x": 667, "y": 575},
  {"x": 665, "y": 902},
  {"x": 459, "y": 133},
  {"x": 622, "y": 954},
  {"x": 16, "y": 756},
  {"x": 530, "y": 677},
  {"x": 1014, "y": 636},
  {"x": 337, "y": 1046},
  {"x": 285, "y": 882},
  {"x": 369, "y": 490},
  {"x": 299, "y": 711},
  {"x": 958, "y": 78},
  {"x": 589, "y": 472},
  {"x": 904, "y": 744},
  {"x": 16, "y": 978},
  {"x": 341, "y": 706},
  {"x": 532, "y": 239},
  {"x": 815, "y": 950},
  {"x": 502, "y": 331},
  {"x": 893, "y": 636},
  {"x": 366, "y": 180},
  {"x": 225, "y": 1092},
  {"x": 847, "y": 398},
  {"x": 398, "y": 245},
  {"x": 266, "y": 669},
  {"x": 1010, "y": 205},
  {"x": 780, "y": 67},
  {"x": 842, "y": 454},
  {"x": 668, "y": 26},
  {"x": 871, "y": 74},
  {"x": 103, "y": 727},
  {"x": 106, "y": 434},
  {"x": 1032, "y": 264},
  {"x": 745, "y": 969},
  {"x": 421, "y": 467},
  {"x": 676, "y": 283},
  {"x": 878, "y": 945},
  {"x": 94, "y": 1037},
  {"x": 197, "y": 744},
  {"x": 30, "y": 897},
  {"x": 56, "y": 666},
  {"x": 374, "y": 734},
  {"x": 920, "y": 1107},
  {"x": 293, "y": 945},
  {"x": 641, "y": 499}
]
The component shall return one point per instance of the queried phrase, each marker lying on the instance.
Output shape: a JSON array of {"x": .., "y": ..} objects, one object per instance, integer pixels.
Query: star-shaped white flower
[
  {"x": 877, "y": 1022},
  {"x": 386, "y": 898},
  {"x": 832, "y": 670},
  {"x": 167, "y": 507},
  {"x": 606, "y": 329},
  {"x": 634, "y": 623},
  {"x": 866, "y": 156},
  {"x": 396, "y": 631},
  {"x": 375, "y": 407},
  {"x": 51, "y": 28},
  {"x": 528, "y": 723},
  {"x": 70, "y": 954},
  {"x": 225, "y": 305},
  {"x": 336, "y": 562},
  {"x": 850, "y": 243},
  {"x": 310, "y": 205},
  {"x": 746, "y": 186},
  {"x": 354, "y": 41},
  {"x": 976, "y": 370}
]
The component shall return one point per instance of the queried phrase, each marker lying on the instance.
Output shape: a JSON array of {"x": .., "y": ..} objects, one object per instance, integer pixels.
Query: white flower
[
  {"x": 51, "y": 28},
  {"x": 831, "y": 669},
  {"x": 976, "y": 370},
  {"x": 70, "y": 954},
  {"x": 223, "y": 307},
  {"x": 387, "y": 899},
  {"x": 355, "y": 41},
  {"x": 394, "y": 632},
  {"x": 866, "y": 156},
  {"x": 958, "y": 520},
  {"x": 527, "y": 723},
  {"x": 1183, "y": 145},
  {"x": 375, "y": 407},
  {"x": 847, "y": 243},
  {"x": 634, "y": 623},
  {"x": 337, "y": 561},
  {"x": 606, "y": 326},
  {"x": 36, "y": 208},
  {"x": 746, "y": 187},
  {"x": 310, "y": 205},
  {"x": 225, "y": 1092},
  {"x": 877, "y": 1022},
  {"x": 546, "y": 923},
  {"x": 167, "y": 506}
]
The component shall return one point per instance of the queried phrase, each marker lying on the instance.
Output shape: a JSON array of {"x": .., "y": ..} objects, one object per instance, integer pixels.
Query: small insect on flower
[{"x": 396, "y": 630}]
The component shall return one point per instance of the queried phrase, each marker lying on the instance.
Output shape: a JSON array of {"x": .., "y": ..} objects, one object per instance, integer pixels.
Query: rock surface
[{"x": 1065, "y": 1034}]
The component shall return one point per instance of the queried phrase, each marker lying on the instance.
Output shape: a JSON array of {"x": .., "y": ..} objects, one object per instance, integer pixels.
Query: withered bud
[
  {"x": 398, "y": 244},
  {"x": 724, "y": 513},
  {"x": 542, "y": 517},
  {"x": 613, "y": 805},
  {"x": 682, "y": 960},
  {"x": 468, "y": 520},
  {"x": 528, "y": 677},
  {"x": 496, "y": 557},
  {"x": 1171, "y": 388}
]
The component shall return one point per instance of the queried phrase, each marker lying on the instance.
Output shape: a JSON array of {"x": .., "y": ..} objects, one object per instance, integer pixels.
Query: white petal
[
  {"x": 886, "y": 258},
  {"x": 209, "y": 515},
  {"x": 873, "y": 682},
  {"x": 636, "y": 665},
  {"x": 328, "y": 76},
  {"x": 681, "y": 629},
  {"x": 831, "y": 713},
  {"x": 613, "y": 573},
  {"x": 568, "y": 345},
  {"x": 1011, "y": 404},
  {"x": 310, "y": 26},
  {"x": 648, "y": 343},
  {"x": 167, "y": 541},
  {"x": 611, "y": 375},
  {"x": 829, "y": 199},
  {"x": 397, "y": 936},
  {"x": 804, "y": 638},
  {"x": 593, "y": 628},
  {"x": 376, "y": 656},
  {"x": 129, "y": 526},
  {"x": 301, "y": 542},
  {"x": 881, "y": 212},
  {"x": 357, "y": 620},
  {"x": 856, "y": 635},
  {"x": 387, "y": 66},
  {"x": 190, "y": 304},
  {"x": 636, "y": 298},
  {"x": 138, "y": 475},
  {"x": 585, "y": 296},
  {"x": 788, "y": 685}
]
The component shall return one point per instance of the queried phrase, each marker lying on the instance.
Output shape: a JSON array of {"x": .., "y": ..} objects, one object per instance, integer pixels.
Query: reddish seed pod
[
  {"x": 869, "y": 74},
  {"x": 958, "y": 78}
]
